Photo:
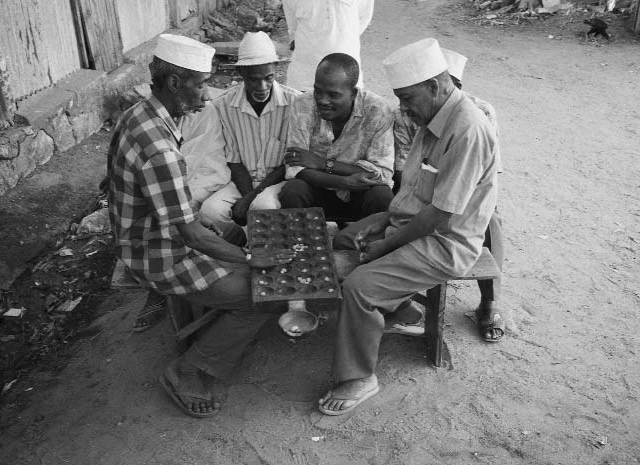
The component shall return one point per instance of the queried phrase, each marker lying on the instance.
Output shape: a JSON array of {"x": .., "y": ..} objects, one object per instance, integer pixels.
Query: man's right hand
[
  {"x": 375, "y": 229},
  {"x": 239, "y": 210},
  {"x": 267, "y": 258}
]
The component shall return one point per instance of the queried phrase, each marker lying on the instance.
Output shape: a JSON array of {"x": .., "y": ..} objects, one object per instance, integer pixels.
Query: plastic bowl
[{"x": 298, "y": 323}]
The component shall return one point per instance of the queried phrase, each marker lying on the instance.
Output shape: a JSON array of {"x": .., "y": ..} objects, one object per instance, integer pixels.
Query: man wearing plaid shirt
[{"x": 158, "y": 234}]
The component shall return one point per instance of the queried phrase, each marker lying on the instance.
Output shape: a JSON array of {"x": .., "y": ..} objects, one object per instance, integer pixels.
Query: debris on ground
[{"x": 514, "y": 12}]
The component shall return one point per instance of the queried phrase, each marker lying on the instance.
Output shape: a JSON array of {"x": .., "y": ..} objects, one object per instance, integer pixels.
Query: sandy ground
[{"x": 563, "y": 388}]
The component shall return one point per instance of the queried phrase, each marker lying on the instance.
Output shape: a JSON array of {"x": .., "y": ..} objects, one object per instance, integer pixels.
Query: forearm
[
  {"x": 273, "y": 178},
  {"x": 199, "y": 238},
  {"x": 241, "y": 178},
  {"x": 345, "y": 169},
  {"x": 423, "y": 224},
  {"x": 321, "y": 179}
]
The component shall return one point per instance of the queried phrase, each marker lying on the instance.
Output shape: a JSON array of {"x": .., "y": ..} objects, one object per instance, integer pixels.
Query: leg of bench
[{"x": 434, "y": 323}]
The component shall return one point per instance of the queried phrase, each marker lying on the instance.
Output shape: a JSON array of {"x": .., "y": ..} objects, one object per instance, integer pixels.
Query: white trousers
[{"x": 217, "y": 208}]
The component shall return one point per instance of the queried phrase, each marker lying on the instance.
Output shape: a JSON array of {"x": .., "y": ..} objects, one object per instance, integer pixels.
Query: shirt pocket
[{"x": 426, "y": 182}]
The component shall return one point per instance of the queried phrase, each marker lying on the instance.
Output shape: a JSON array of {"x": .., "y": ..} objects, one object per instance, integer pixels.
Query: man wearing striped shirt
[{"x": 254, "y": 126}]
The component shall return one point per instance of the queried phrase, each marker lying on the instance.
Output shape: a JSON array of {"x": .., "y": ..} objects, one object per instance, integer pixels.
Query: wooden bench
[
  {"x": 186, "y": 318},
  {"x": 434, "y": 301}
]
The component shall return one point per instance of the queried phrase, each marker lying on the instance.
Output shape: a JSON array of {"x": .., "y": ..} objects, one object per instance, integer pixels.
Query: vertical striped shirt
[{"x": 258, "y": 142}]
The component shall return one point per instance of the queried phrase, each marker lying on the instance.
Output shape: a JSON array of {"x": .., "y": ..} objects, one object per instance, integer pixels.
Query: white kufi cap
[
  {"x": 256, "y": 48},
  {"x": 185, "y": 52},
  {"x": 455, "y": 63},
  {"x": 414, "y": 63}
]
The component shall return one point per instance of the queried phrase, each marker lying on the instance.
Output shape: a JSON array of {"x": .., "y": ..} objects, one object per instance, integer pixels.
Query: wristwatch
[{"x": 328, "y": 165}]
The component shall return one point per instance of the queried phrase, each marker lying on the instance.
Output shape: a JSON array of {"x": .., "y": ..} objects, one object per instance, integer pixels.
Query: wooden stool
[
  {"x": 436, "y": 300},
  {"x": 187, "y": 318}
]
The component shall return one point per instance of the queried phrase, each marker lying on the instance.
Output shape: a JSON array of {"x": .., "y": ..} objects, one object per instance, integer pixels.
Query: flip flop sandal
[
  {"x": 495, "y": 322},
  {"x": 372, "y": 392},
  {"x": 168, "y": 388},
  {"x": 152, "y": 314}
]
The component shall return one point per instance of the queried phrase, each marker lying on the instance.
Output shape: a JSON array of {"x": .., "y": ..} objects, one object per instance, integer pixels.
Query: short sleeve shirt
[
  {"x": 149, "y": 197},
  {"x": 258, "y": 142},
  {"x": 366, "y": 139},
  {"x": 452, "y": 165}
]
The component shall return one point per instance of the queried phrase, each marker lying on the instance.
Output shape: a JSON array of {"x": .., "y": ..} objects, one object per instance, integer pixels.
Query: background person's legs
[
  {"x": 220, "y": 346},
  {"x": 217, "y": 208},
  {"x": 490, "y": 321},
  {"x": 268, "y": 198}
]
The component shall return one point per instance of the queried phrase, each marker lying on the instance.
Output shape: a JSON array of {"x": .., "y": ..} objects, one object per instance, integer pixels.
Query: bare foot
[
  {"x": 347, "y": 395},
  {"x": 490, "y": 323},
  {"x": 184, "y": 386}
]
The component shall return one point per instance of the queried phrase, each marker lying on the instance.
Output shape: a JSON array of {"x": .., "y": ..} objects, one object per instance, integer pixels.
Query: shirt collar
[
  {"x": 438, "y": 123},
  {"x": 157, "y": 106},
  {"x": 240, "y": 100}
]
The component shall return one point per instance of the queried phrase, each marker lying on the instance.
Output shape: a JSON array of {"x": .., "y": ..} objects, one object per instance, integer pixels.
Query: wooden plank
[
  {"x": 103, "y": 40},
  {"x": 37, "y": 39},
  {"x": 635, "y": 23},
  {"x": 141, "y": 20},
  {"x": 7, "y": 105}
]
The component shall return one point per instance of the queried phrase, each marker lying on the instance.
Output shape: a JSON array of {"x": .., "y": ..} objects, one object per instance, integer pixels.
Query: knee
[
  {"x": 379, "y": 196},
  {"x": 293, "y": 188},
  {"x": 215, "y": 211},
  {"x": 358, "y": 284},
  {"x": 265, "y": 201}
]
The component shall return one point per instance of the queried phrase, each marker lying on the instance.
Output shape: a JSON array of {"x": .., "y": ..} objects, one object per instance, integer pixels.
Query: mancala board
[{"x": 312, "y": 273}]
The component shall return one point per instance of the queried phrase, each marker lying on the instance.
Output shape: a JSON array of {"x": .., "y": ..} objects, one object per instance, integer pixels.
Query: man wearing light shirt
[
  {"x": 340, "y": 146},
  {"x": 318, "y": 28},
  {"x": 254, "y": 118}
]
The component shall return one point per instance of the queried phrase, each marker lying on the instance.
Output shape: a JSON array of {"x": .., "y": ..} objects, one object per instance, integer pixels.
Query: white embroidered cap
[
  {"x": 455, "y": 62},
  {"x": 256, "y": 48},
  {"x": 414, "y": 63},
  {"x": 185, "y": 52}
]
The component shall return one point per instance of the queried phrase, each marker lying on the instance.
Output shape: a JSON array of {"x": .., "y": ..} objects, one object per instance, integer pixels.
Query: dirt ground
[{"x": 564, "y": 386}]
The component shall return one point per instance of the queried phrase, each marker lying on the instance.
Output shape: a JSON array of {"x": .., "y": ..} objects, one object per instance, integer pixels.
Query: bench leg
[{"x": 434, "y": 323}]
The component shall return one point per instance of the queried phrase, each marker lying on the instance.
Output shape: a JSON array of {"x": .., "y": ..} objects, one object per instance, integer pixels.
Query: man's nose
[
  {"x": 206, "y": 96},
  {"x": 264, "y": 85}
]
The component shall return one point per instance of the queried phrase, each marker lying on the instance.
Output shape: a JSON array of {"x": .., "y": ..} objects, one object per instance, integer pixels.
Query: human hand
[
  {"x": 361, "y": 181},
  {"x": 262, "y": 258},
  {"x": 295, "y": 156},
  {"x": 239, "y": 210},
  {"x": 362, "y": 238},
  {"x": 373, "y": 250}
]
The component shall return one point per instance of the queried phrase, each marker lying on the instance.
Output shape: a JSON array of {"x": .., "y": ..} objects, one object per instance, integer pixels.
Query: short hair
[
  {"x": 346, "y": 63},
  {"x": 160, "y": 70}
]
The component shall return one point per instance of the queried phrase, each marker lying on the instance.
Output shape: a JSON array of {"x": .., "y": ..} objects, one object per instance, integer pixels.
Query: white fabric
[
  {"x": 455, "y": 63},
  {"x": 203, "y": 150},
  {"x": 185, "y": 52},
  {"x": 256, "y": 48},
  {"x": 217, "y": 208},
  {"x": 320, "y": 28},
  {"x": 414, "y": 63}
]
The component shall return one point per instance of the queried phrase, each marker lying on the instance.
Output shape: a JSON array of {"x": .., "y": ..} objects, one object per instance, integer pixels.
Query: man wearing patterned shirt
[
  {"x": 159, "y": 236},
  {"x": 254, "y": 126},
  {"x": 340, "y": 154}
]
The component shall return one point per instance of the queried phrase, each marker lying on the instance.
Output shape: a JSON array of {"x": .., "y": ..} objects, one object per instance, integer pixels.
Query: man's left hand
[
  {"x": 240, "y": 209},
  {"x": 295, "y": 156}
]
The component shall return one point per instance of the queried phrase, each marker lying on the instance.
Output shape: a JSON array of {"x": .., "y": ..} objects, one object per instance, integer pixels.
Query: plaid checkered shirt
[{"x": 149, "y": 197}]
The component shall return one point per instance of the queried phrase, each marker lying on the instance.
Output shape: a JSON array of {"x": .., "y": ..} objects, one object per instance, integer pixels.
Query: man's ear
[
  {"x": 173, "y": 83},
  {"x": 433, "y": 86}
]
